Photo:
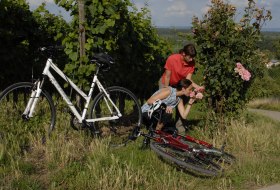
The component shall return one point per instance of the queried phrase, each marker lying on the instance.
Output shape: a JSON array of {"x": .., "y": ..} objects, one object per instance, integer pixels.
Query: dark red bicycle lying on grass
[{"x": 186, "y": 152}]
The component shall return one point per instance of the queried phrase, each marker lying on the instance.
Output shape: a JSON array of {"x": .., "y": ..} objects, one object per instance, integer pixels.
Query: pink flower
[
  {"x": 244, "y": 73},
  {"x": 196, "y": 95},
  {"x": 199, "y": 96},
  {"x": 239, "y": 65},
  {"x": 192, "y": 94}
]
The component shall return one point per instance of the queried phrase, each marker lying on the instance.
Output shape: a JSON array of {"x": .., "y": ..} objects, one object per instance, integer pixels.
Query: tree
[
  {"x": 16, "y": 39},
  {"x": 21, "y": 34},
  {"x": 222, "y": 43},
  {"x": 116, "y": 27},
  {"x": 276, "y": 46}
]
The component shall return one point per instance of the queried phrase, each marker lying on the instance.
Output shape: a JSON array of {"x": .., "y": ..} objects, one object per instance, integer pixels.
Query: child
[{"x": 171, "y": 97}]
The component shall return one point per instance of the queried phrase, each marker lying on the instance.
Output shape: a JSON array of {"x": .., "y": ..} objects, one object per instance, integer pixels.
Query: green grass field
[{"x": 73, "y": 160}]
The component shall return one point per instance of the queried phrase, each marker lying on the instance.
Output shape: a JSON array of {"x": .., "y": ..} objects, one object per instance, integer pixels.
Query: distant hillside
[
  {"x": 271, "y": 30},
  {"x": 269, "y": 36}
]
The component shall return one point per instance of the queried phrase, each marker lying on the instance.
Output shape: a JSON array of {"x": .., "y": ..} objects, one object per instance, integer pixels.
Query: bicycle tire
[
  {"x": 186, "y": 160},
  {"x": 13, "y": 101},
  {"x": 217, "y": 154},
  {"x": 223, "y": 157},
  {"x": 120, "y": 129}
]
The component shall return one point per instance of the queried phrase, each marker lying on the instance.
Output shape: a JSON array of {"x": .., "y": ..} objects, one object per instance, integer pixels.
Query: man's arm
[
  {"x": 167, "y": 78},
  {"x": 189, "y": 76}
]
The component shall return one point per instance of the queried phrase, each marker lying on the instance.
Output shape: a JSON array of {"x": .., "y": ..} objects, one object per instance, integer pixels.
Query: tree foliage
[
  {"x": 22, "y": 32},
  {"x": 117, "y": 27},
  {"x": 222, "y": 42},
  {"x": 17, "y": 40},
  {"x": 276, "y": 46}
]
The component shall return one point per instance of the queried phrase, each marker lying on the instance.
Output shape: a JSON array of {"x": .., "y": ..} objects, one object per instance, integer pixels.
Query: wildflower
[
  {"x": 197, "y": 93},
  {"x": 199, "y": 96},
  {"x": 192, "y": 94},
  {"x": 244, "y": 73}
]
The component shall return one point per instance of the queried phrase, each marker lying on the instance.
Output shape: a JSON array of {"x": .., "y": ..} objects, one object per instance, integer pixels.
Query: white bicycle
[{"x": 114, "y": 111}]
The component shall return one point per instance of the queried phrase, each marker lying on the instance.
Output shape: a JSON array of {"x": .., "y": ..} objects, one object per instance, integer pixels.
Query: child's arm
[
  {"x": 185, "y": 111},
  {"x": 164, "y": 93}
]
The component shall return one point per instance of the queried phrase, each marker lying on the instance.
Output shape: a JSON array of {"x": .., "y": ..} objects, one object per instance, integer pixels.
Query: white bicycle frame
[{"x": 81, "y": 117}]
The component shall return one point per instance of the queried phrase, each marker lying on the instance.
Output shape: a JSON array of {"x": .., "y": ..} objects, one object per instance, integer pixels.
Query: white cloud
[
  {"x": 39, "y": 2},
  {"x": 205, "y": 9},
  {"x": 180, "y": 12},
  {"x": 239, "y": 3},
  {"x": 178, "y": 8}
]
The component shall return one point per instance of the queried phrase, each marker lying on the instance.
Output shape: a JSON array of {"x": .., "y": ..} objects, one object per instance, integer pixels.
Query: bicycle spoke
[
  {"x": 187, "y": 160},
  {"x": 13, "y": 101}
]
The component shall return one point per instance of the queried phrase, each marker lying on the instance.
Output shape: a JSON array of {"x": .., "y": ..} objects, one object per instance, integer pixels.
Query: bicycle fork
[{"x": 35, "y": 94}]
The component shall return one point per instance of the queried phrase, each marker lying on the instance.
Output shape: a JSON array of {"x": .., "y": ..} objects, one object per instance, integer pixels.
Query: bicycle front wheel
[
  {"x": 213, "y": 153},
  {"x": 13, "y": 101},
  {"x": 186, "y": 160},
  {"x": 120, "y": 129}
]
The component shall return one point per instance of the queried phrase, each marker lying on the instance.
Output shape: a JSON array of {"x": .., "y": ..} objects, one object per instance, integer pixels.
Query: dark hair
[
  {"x": 183, "y": 83},
  {"x": 189, "y": 50}
]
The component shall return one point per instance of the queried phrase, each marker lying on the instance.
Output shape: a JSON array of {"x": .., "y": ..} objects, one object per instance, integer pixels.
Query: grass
[
  {"x": 266, "y": 103},
  {"x": 72, "y": 160}
]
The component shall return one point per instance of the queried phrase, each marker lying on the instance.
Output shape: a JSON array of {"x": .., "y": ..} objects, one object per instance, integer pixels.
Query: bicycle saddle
[{"x": 103, "y": 60}]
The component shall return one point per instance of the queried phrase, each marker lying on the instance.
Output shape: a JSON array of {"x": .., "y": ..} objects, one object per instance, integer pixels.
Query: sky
[{"x": 179, "y": 13}]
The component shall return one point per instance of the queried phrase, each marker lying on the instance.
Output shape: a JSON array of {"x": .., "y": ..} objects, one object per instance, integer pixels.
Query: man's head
[{"x": 189, "y": 52}]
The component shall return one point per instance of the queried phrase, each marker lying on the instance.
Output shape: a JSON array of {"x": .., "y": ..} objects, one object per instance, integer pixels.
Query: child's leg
[
  {"x": 166, "y": 118},
  {"x": 159, "y": 125}
]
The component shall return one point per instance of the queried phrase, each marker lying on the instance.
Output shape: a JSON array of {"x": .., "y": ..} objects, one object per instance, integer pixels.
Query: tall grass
[{"x": 73, "y": 160}]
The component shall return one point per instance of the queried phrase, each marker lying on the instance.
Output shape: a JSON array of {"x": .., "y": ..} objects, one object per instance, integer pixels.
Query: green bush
[{"x": 222, "y": 43}]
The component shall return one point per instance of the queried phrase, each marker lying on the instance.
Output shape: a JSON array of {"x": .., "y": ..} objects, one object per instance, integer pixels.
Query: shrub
[{"x": 223, "y": 44}]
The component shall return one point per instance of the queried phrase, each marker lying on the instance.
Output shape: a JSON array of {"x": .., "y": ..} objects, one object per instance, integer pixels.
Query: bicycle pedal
[
  {"x": 135, "y": 133},
  {"x": 146, "y": 141}
]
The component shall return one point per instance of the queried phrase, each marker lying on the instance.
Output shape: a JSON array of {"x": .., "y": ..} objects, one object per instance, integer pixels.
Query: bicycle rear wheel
[
  {"x": 186, "y": 160},
  {"x": 120, "y": 129},
  {"x": 13, "y": 101}
]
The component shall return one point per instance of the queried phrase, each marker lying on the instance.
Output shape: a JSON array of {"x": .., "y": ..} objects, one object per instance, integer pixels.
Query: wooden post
[
  {"x": 82, "y": 41},
  {"x": 82, "y": 34}
]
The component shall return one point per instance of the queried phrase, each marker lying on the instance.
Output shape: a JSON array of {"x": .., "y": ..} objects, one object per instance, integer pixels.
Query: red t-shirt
[{"x": 178, "y": 67}]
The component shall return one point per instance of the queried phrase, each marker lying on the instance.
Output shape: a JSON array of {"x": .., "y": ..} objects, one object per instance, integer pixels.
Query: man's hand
[{"x": 200, "y": 89}]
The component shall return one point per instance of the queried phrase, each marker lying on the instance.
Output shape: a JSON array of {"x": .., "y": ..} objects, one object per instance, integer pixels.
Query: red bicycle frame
[{"x": 176, "y": 140}]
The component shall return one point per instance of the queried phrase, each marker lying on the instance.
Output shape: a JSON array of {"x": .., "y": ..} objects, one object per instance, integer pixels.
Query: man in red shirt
[{"x": 179, "y": 66}]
